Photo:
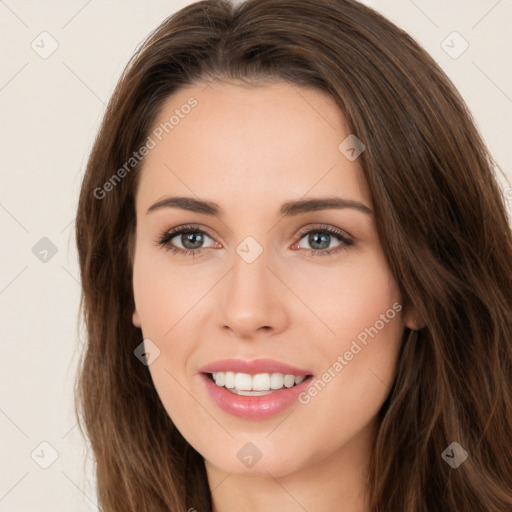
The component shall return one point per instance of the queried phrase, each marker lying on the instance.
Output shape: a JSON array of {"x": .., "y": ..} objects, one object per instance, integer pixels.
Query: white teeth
[
  {"x": 220, "y": 378},
  {"x": 289, "y": 381},
  {"x": 250, "y": 385},
  {"x": 243, "y": 382},
  {"x": 261, "y": 382},
  {"x": 276, "y": 381},
  {"x": 229, "y": 379}
]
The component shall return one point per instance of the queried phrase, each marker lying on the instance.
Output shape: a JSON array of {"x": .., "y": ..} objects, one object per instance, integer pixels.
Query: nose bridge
[
  {"x": 250, "y": 274},
  {"x": 251, "y": 298}
]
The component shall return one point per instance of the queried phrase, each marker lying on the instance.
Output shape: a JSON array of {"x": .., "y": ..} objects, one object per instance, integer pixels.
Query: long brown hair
[{"x": 440, "y": 215}]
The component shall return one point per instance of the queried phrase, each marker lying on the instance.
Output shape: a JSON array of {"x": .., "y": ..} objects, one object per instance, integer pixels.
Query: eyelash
[{"x": 164, "y": 240}]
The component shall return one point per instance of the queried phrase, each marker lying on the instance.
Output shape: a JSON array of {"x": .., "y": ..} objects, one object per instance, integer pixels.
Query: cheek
[
  {"x": 363, "y": 310},
  {"x": 163, "y": 294},
  {"x": 356, "y": 380},
  {"x": 163, "y": 299},
  {"x": 347, "y": 297},
  {"x": 369, "y": 327}
]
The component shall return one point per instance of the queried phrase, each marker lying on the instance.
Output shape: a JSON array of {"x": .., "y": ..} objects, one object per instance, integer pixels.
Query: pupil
[
  {"x": 190, "y": 237},
  {"x": 313, "y": 239}
]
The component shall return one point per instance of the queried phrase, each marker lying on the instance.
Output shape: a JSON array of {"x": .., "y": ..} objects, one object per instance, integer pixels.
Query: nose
[{"x": 252, "y": 300}]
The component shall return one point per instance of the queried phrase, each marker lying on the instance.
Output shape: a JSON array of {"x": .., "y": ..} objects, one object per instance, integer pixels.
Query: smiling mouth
[{"x": 259, "y": 384}]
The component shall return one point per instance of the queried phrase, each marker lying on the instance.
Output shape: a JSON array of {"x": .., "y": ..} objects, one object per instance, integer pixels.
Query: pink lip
[
  {"x": 253, "y": 407},
  {"x": 253, "y": 367}
]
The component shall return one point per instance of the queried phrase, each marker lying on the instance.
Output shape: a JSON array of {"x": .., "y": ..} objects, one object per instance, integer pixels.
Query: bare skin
[{"x": 250, "y": 150}]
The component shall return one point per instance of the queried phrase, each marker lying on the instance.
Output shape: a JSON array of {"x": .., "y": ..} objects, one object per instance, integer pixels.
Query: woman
[{"x": 229, "y": 366}]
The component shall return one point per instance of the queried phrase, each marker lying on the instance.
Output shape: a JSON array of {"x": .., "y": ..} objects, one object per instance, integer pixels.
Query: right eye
[{"x": 190, "y": 237}]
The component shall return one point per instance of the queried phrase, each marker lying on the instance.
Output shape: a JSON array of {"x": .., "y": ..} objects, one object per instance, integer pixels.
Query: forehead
[{"x": 273, "y": 140}]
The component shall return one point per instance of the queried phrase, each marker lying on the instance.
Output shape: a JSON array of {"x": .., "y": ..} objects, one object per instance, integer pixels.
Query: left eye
[
  {"x": 318, "y": 239},
  {"x": 191, "y": 239}
]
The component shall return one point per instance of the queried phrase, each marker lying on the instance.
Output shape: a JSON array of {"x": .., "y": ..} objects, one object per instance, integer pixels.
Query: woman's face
[{"x": 263, "y": 279}]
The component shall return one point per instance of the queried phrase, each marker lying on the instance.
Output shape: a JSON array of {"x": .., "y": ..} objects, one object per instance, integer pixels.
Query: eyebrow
[{"x": 288, "y": 209}]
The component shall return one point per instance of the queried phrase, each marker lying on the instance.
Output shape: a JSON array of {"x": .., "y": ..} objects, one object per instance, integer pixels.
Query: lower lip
[{"x": 254, "y": 407}]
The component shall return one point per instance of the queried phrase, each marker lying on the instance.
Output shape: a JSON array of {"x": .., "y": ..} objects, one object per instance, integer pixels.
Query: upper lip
[{"x": 253, "y": 367}]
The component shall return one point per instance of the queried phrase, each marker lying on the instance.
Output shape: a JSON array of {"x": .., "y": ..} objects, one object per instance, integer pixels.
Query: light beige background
[{"x": 50, "y": 111}]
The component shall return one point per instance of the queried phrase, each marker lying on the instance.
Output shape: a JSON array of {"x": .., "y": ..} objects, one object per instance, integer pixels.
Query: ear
[
  {"x": 413, "y": 320},
  {"x": 136, "y": 318}
]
